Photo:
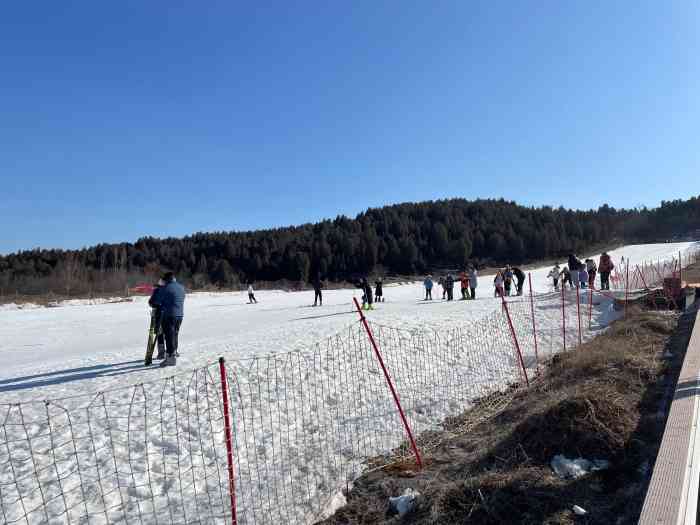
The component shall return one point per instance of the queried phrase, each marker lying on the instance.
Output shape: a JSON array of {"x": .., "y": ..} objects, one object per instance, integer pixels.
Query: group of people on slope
[
  {"x": 579, "y": 274},
  {"x": 168, "y": 302},
  {"x": 368, "y": 299},
  {"x": 468, "y": 280},
  {"x": 503, "y": 281}
]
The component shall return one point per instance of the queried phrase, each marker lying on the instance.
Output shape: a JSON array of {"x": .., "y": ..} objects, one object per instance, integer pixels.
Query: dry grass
[{"x": 605, "y": 400}]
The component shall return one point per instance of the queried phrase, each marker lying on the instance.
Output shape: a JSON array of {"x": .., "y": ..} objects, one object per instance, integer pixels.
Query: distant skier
[
  {"x": 554, "y": 275},
  {"x": 428, "y": 283},
  {"x": 251, "y": 294},
  {"x": 498, "y": 284},
  {"x": 605, "y": 266},
  {"x": 367, "y": 299},
  {"x": 153, "y": 302},
  {"x": 464, "y": 285},
  {"x": 378, "y": 291},
  {"x": 507, "y": 279},
  {"x": 566, "y": 277},
  {"x": 441, "y": 283},
  {"x": 171, "y": 300},
  {"x": 520, "y": 278},
  {"x": 450, "y": 284},
  {"x": 472, "y": 281},
  {"x": 318, "y": 286}
]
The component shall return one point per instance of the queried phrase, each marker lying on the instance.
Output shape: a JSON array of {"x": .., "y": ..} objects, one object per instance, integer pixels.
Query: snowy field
[
  {"x": 149, "y": 449},
  {"x": 113, "y": 336}
]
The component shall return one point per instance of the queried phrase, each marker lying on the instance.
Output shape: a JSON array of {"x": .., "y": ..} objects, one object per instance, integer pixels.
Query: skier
[
  {"x": 472, "y": 280},
  {"x": 171, "y": 300},
  {"x": 251, "y": 294},
  {"x": 566, "y": 277},
  {"x": 520, "y": 277},
  {"x": 592, "y": 270},
  {"x": 153, "y": 302},
  {"x": 428, "y": 283},
  {"x": 498, "y": 283},
  {"x": 583, "y": 276},
  {"x": 441, "y": 283},
  {"x": 318, "y": 285},
  {"x": 507, "y": 279},
  {"x": 450, "y": 284},
  {"x": 464, "y": 282},
  {"x": 574, "y": 268},
  {"x": 605, "y": 265},
  {"x": 554, "y": 274},
  {"x": 378, "y": 292}
]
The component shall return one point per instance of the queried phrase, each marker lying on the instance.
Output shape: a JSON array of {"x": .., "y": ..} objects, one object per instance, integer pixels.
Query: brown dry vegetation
[{"x": 607, "y": 399}]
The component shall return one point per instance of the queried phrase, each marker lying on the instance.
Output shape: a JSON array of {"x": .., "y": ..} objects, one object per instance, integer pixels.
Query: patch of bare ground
[{"x": 607, "y": 399}]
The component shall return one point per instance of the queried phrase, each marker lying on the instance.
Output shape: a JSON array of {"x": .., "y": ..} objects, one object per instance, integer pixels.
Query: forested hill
[{"x": 403, "y": 238}]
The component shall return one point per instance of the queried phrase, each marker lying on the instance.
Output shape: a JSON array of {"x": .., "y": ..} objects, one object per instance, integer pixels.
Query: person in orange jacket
[{"x": 464, "y": 281}]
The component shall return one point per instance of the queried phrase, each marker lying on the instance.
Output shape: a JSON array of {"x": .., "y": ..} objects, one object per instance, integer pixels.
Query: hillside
[{"x": 404, "y": 238}]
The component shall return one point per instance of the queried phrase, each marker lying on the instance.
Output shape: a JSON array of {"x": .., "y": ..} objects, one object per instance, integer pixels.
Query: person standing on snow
[
  {"x": 464, "y": 285},
  {"x": 605, "y": 265},
  {"x": 507, "y": 279},
  {"x": 472, "y": 280},
  {"x": 378, "y": 291},
  {"x": 366, "y": 294},
  {"x": 574, "y": 268},
  {"x": 154, "y": 303},
  {"x": 583, "y": 276},
  {"x": 592, "y": 270},
  {"x": 428, "y": 283},
  {"x": 554, "y": 274},
  {"x": 251, "y": 294},
  {"x": 450, "y": 284},
  {"x": 171, "y": 300},
  {"x": 498, "y": 283},
  {"x": 520, "y": 277},
  {"x": 318, "y": 285},
  {"x": 441, "y": 283}
]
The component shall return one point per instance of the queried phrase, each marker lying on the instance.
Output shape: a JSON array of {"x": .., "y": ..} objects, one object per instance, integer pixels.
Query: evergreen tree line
[{"x": 402, "y": 239}]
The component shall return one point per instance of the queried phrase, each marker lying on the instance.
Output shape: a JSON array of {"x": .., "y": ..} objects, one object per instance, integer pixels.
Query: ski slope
[{"x": 80, "y": 348}]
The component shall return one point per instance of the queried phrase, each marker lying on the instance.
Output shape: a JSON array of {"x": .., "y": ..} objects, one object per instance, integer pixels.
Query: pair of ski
[{"x": 153, "y": 332}]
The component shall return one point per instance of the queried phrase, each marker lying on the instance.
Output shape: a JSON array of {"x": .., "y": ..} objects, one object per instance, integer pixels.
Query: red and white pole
[{"x": 229, "y": 441}]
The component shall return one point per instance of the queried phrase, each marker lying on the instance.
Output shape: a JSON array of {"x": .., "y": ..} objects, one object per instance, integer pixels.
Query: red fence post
[
  {"x": 389, "y": 382},
  {"x": 229, "y": 445},
  {"x": 534, "y": 328},
  {"x": 515, "y": 339},
  {"x": 563, "y": 317},
  {"x": 578, "y": 314},
  {"x": 642, "y": 276}
]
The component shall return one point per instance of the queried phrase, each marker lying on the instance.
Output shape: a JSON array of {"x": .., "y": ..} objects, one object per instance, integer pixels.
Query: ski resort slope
[{"x": 81, "y": 348}]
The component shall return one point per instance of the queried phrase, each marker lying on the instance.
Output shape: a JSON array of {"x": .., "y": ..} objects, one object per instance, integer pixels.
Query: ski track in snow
[{"x": 52, "y": 353}]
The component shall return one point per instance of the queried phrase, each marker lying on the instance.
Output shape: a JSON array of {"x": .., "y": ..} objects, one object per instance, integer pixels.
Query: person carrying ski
[
  {"x": 153, "y": 302},
  {"x": 472, "y": 281},
  {"x": 318, "y": 295},
  {"x": 498, "y": 283},
  {"x": 428, "y": 283},
  {"x": 450, "y": 284},
  {"x": 171, "y": 300},
  {"x": 520, "y": 278},
  {"x": 378, "y": 291},
  {"x": 592, "y": 270},
  {"x": 464, "y": 282},
  {"x": 507, "y": 279},
  {"x": 605, "y": 266},
  {"x": 554, "y": 275},
  {"x": 251, "y": 294}
]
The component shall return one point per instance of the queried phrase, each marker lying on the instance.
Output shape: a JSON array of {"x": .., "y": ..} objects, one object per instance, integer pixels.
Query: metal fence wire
[{"x": 303, "y": 424}]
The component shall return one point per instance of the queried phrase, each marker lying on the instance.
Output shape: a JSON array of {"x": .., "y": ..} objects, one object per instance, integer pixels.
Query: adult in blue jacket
[{"x": 171, "y": 300}]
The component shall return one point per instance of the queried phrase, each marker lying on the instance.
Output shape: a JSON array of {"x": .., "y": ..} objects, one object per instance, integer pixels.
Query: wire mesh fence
[{"x": 304, "y": 424}]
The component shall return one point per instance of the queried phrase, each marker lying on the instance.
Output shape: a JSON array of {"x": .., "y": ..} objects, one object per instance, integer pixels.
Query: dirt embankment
[{"x": 608, "y": 399}]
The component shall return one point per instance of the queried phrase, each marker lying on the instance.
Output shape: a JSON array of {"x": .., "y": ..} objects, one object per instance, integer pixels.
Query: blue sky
[{"x": 127, "y": 119}]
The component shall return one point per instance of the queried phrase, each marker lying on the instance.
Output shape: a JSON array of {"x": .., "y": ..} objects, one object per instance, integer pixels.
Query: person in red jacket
[{"x": 605, "y": 266}]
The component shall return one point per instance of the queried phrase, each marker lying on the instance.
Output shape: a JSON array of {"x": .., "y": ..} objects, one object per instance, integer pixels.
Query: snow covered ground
[{"x": 292, "y": 411}]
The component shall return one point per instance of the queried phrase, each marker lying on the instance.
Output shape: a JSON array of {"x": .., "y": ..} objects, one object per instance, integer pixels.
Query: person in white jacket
[
  {"x": 251, "y": 294},
  {"x": 472, "y": 273},
  {"x": 554, "y": 274}
]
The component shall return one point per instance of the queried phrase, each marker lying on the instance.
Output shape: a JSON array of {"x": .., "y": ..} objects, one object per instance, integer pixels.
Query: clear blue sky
[{"x": 125, "y": 119}]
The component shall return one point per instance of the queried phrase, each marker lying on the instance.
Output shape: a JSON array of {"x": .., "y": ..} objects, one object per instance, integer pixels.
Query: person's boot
[{"x": 171, "y": 360}]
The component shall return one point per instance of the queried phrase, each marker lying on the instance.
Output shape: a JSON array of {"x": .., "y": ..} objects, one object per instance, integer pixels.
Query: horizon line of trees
[{"x": 404, "y": 239}]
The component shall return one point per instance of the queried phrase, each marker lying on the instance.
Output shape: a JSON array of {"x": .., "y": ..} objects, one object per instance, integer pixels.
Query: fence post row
[
  {"x": 390, "y": 383},
  {"x": 515, "y": 339},
  {"x": 229, "y": 445},
  {"x": 534, "y": 327}
]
